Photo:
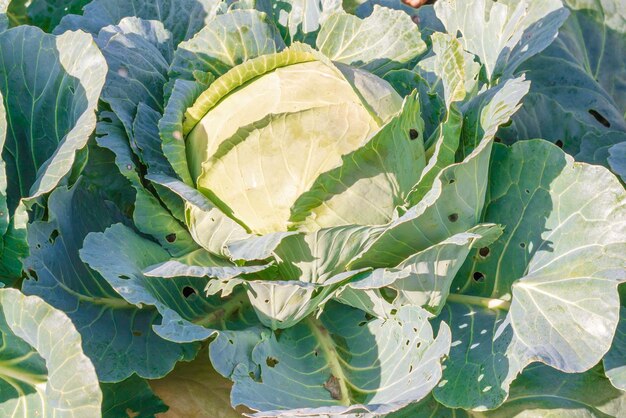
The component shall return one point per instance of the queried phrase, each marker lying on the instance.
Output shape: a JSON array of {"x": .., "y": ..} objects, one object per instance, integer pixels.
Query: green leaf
[
  {"x": 228, "y": 40},
  {"x": 183, "y": 18},
  {"x": 339, "y": 364},
  {"x": 131, "y": 397},
  {"x": 502, "y": 34},
  {"x": 42, "y": 366},
  {"x": 386, "y": 40},
  {"x": 378, "y": 177},
  {"x": 540, "y": 392},
  {"x": 617, "y": 160},
  {"x": 556, "y": 267},
  {"x": 46, "y": 14},
  {"x": 121, "y": 340},
  {"x": 615, "y": 359},
  {"x": 187, "y": 315},
  {"x": 300, "y": 20},
  {"x": 422, "y": 279},
  {"x": 49, "y": 116}
]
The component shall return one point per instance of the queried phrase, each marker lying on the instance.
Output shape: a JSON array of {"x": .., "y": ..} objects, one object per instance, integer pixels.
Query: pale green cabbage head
[{"x": 264, "y": 140}]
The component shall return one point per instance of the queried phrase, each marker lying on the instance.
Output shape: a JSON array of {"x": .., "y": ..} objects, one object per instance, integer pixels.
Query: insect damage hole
[
  {"x": 453, "y": 217},
  {"x": 188, "y": 291},
  {"x": 601, "y": 119},
  {"x": 271, "y": 362},
  {"x": 170, "y": 238},
  {"x": 559, "y": 143},
  {"x": 413, "y": 134},
  {"x": 484, "y": 252},
  {"x": 478, "y": 276}
]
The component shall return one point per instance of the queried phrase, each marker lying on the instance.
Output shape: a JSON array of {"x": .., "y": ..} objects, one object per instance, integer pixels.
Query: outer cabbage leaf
[
  {"x": 384, "y": 41},
  {"x": 502, "y": 34},
  {"x": 564, "y": 308},
  {"x": 187, "y": 315},
  {"x": 578, "y": 81},
  {"x": 120, "y": 337},
  {"x": 339, "y": 364},
  {"x": 50, "y": 114},
  {"x": 541, "y": 392},
  {"x": 43, "y": 370},
  {"x": 183, "y": 18}
]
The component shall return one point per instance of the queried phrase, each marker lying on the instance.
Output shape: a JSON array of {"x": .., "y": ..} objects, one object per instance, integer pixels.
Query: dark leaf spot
[
  {"x": 393, "y": 311},
  {"x": 478, "y": 276},
  {"x": 484, "y": 252},
  {"x": 231, "y": 342},
  {"x": 333, "y": 387},
  {"x": 188, "y": 291},
  {"x": 453, "y": 217},
  {"x": 271, "y": 362},
  {"x": 414, "y": 134},
  {"x": 171, "y": 238},
  {"x": 600, "y": 118},
  {"x": 137, "y": 333},
  {"x": 267, "y": 301},
  {"x": 527, "y": 191},
  {"x": 522, "y": 244}
]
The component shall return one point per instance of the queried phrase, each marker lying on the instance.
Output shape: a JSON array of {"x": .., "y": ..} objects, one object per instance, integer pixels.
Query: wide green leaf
[
  {"x": 502, "y": 34},
  {"x": 43, "y": 371},
  {"x": 50, "y": 88},
  {"x": 121, "y": 341},
  {"x": 340, "y": 364}
]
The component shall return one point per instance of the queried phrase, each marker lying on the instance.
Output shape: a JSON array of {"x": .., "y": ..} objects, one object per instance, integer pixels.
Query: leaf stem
[
  {"x": 329, "y": 351},
  {"x": 488, "y": 303}
]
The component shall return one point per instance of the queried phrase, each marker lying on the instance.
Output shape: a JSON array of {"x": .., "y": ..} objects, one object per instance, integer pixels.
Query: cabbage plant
[{"x": 312, "y": 202}]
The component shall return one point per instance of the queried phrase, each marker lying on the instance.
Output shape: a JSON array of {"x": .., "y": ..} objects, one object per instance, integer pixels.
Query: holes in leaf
[
  {"x": 527, "y": 191},
  {"x": 170, "y": 238},
  {"x": 410, "y": 368},
  {"x": 267, "y": 301},
  {"x": 453, "y": 217},
  {"x": 559, "y": 143},
  {"x": 408, "y": 342},
  {"x": 393, "y": 311},
  {"x": 418, "y": 344},
  {"x": 413, "y": 134},
  {"x": 231, "y": 342},
  {"x": 53, "y": 236},
  {"x": 451, "y": 181},
  {"x": 478, "y": 276},
  {"x": 484, "y": 252},
  {"x": 362, "y": 323},
  {"x": 137, "y": 333},
  {"x": 601, "y": 119},
  {"x": 188, "y": 291},
  {"x": 496, "y": 139},
  {"x": 368, "y": 317},
  {"x": 522, "y": 244},
  {"x": 32, "y": 274},
  {"x": 124, "y": 277},
  {"x": 271, "y": 362}
]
